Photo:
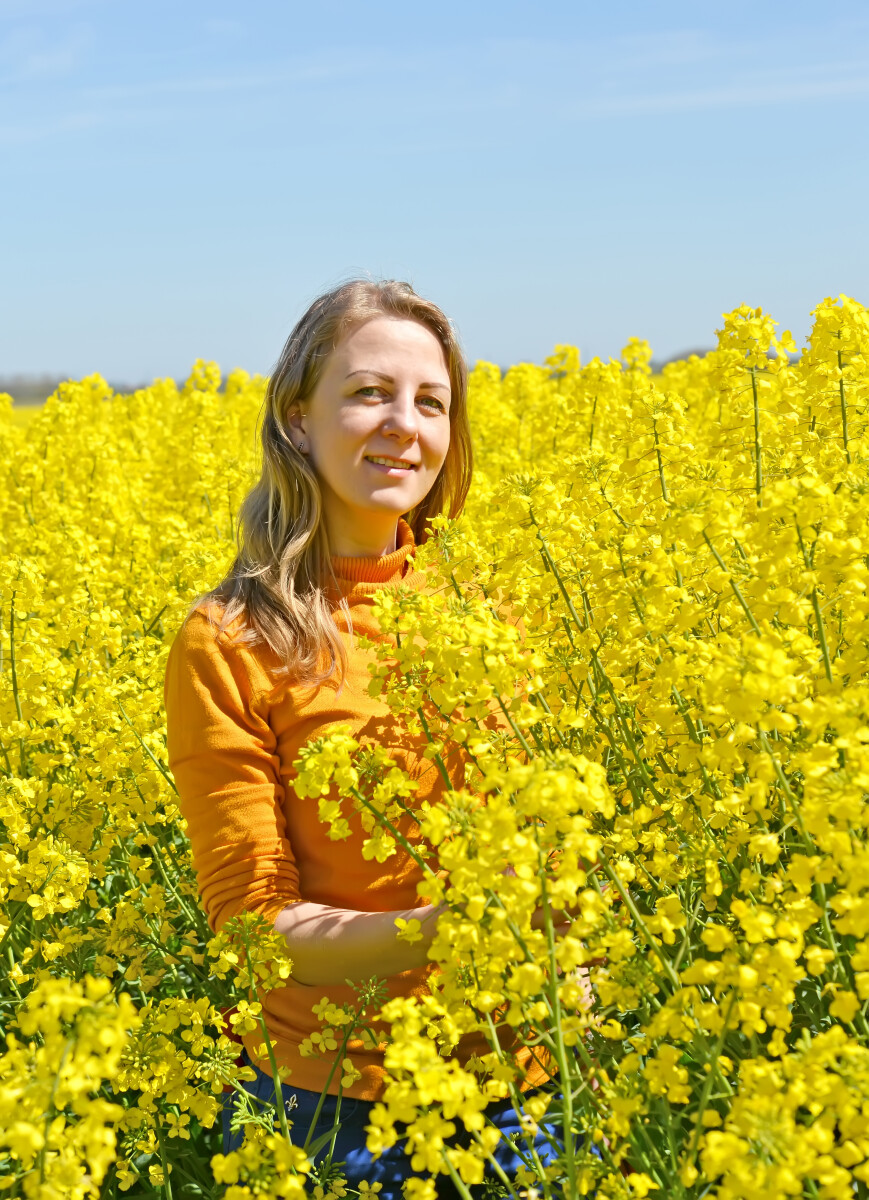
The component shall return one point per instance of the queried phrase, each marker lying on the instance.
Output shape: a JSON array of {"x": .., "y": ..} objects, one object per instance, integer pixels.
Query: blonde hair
[{"x": 278, "y": 582}]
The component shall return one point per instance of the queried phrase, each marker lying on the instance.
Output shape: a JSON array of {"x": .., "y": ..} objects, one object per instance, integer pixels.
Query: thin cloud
[
  {"x": 24, "y": 133},
  {"x": 645, "y": 51},
  {"x": 499, "y": 80},
  {"x": 28, "y": 57},
  {"x": 31, "y": 9},
  {"x": 326, "y": 68},
  {"x": 678, "y": 71},
  {"x": 746, "y": 94}
]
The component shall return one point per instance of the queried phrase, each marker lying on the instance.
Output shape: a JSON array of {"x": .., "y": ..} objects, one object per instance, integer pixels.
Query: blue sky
[{"x": 180, "y": 179}]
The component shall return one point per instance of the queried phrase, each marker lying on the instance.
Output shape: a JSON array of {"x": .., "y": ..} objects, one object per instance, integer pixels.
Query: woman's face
[{"x": 376, "y": 429}]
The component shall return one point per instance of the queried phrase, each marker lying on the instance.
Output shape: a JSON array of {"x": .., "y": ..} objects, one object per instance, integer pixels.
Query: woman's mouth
[{"x": 398, "y": 466}]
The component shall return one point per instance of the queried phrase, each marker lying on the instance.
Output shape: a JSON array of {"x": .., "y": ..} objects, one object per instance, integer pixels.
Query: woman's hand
[
  {"x": 562, "y": 918},
  {"x": 333, "y": 945}
]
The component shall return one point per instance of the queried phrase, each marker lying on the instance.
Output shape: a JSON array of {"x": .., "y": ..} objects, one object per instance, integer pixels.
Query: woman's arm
[
  {"x": 331, "y": 945},
  {"x": 223, "y": 754}
]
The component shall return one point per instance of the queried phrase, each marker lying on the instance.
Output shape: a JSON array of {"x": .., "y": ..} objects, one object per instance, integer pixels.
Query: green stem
[
  {"x": 786, "y": 788},
  {"x": 680, "y": 582},
  {"x": 660, "y": 464},
  {"x": 654, "y": 1151},
  {"x": 546, "y": 1040},
  {"x": 49, "y": 1109},
  {"x": 12, "y": 659},
  {"x": 541, "y": 699},
  {"x": 167, "y": 1182},
  {"x": 842, "y": 404},
  {"x": 555, "y": 1005},
  {"x": 194, "y": 918},
  {"x": 758, "y": 462},
  {"x": 339, "y": 1055},
  {"x": 734, "y": 585},
  {"x": 621, "y": 519},
  {"x": 499, "y": 1171},
  {"x": 516, "y": 730},
  {"x": 810, "y": 847},
  {"x": 179, "y": 960},
  {"x": 460, "y": 1185},
  {"x": 808, "y": 559},
  {"x": 516, "y": 1097},
  {"x": 156, "y": 619},
  {"x": 456, "y": 587},
  {"x": 612, "y": 875},
  {"x": 582, "y": 626},
  {"x": 25, "y": 907},
  {"x": 621, "y": 717},
  {"x": 707, "y": 1086},
  {"x": 270, "y": 1050},
  {"x": 674, "y": 1156},
  {"x": 828, "y": 669},
  {"x": 438, "y": 760},
  {"x": 396, "y": 833},
  {"x": 163, "y": 771}
]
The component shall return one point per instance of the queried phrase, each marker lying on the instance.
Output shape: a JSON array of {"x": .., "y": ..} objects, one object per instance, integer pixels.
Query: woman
[{"x": 365, "y": 437}]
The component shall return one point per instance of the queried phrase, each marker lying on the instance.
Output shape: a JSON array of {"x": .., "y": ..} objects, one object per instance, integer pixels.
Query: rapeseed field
[{"x": 681, "y": 758}]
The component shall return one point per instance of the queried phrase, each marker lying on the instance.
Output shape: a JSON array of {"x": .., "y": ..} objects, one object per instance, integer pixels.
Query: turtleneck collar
[{"x": 377, "y": 572}]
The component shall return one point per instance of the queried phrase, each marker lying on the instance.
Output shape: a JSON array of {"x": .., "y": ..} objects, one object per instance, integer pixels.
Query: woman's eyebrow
[{"x": 390, "y": 378}]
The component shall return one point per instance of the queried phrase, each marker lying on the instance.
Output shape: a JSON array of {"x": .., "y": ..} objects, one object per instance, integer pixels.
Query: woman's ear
[{"x": 296, "y": 421}]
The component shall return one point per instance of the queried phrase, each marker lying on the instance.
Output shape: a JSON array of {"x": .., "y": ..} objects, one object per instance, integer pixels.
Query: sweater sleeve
[{"x": 223, "y": 755}]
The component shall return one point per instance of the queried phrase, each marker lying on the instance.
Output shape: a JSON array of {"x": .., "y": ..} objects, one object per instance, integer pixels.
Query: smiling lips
[{"x": 383, "y": 461}]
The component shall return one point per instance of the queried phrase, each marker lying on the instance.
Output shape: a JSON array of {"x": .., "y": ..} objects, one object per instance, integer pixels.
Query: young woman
[{"x": 365, "y": 437}]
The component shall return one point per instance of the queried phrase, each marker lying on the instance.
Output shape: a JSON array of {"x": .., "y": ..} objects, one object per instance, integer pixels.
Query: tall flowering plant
[{"x": 677, "y": 778}]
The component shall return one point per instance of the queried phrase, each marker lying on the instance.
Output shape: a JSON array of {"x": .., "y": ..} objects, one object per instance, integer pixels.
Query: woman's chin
[{"x": 391, "y": 500}]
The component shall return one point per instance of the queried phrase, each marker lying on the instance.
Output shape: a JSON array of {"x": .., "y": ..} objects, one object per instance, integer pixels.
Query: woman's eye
[
  {"x": 368, "y": 390},
  {"x": 433, "y": 400}
]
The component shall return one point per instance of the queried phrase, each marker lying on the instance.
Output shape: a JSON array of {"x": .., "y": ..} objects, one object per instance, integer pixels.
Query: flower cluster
[{"x": 58, "y": 1126}]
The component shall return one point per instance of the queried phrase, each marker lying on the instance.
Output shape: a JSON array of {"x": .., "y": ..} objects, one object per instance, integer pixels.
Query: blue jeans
[{"x": 393, "y": 1165}]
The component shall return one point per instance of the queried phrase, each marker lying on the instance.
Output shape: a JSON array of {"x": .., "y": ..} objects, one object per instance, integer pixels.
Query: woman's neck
[
  {"x": 349, "y": 546},
  {"x": 370, "y": 538}
]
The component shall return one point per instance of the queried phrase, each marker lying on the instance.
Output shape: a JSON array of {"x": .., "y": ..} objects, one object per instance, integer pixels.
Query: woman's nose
[{"x": 401, "y": 416}]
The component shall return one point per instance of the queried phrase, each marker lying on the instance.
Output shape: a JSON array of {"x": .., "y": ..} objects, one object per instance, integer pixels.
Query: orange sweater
[{"x": 233, "y": 735}]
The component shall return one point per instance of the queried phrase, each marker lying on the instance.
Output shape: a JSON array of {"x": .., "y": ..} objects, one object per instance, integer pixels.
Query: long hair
[{"x": 279, "y": 582}]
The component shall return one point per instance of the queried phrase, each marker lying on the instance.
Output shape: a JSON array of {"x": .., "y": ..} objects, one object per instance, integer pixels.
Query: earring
[{"x": 301, "y": 447}]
